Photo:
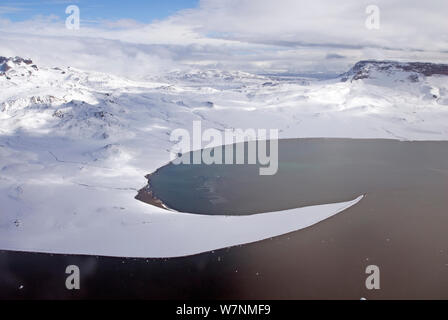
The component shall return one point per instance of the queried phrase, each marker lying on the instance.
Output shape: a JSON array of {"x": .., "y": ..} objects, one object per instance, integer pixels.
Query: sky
[
  {"x": 143, "y": 11},
  {"x": 137, "y": 38}
]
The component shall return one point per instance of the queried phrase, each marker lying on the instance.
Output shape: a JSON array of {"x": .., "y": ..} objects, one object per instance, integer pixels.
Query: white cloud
[
  {"x": 253, "y": 35},
  {"x": 409, "y": 24}
]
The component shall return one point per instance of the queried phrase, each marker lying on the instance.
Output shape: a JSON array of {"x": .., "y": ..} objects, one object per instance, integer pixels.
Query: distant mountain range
[
  {"x": 17, "y": 66},
  {"x": 93, "y": 104}
]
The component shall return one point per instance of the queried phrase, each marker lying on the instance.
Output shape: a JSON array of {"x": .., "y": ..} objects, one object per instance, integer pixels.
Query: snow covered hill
[
  {"x": 17, "y": 66},
  {"x": 75, "y": 145},
  {"x": 368, "y": 69}
]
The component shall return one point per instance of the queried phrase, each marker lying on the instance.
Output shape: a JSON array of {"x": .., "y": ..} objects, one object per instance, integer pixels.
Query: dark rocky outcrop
[
  {"x": 7, "y": 64},
  {"x": 364, "y": 69}
]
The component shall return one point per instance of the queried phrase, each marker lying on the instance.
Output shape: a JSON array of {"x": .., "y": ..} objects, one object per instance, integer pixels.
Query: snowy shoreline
[
  {"x": 146, "y": 194},
  {"x": 238, "y": 230}
]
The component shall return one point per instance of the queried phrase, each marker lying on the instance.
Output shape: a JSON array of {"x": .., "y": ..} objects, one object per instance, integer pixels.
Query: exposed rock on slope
[
  {"x": 367, "y": 69},
  {"x": 16, "y": 67}
]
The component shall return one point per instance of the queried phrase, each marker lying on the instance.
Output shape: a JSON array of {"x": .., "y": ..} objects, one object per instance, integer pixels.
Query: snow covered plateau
[{"x": 75, "y": 147}]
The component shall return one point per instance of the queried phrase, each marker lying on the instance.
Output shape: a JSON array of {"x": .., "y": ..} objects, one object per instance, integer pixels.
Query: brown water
[
  {"x": 311, "y": 171},
  {"x": 400, "y": 226}
]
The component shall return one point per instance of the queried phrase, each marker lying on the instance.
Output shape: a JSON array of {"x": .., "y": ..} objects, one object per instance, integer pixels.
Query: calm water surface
[
  {"x": 311, "y": 171},
  {"x": 400, "y": 226}
]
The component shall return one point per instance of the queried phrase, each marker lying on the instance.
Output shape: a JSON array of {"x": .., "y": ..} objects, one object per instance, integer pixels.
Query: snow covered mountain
[
  {"x": 70, "y": 102},
  {"x": 75, "y": 146},
  {"x": 16, "y": 67},
  {"x": 369, "y": 69}
]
